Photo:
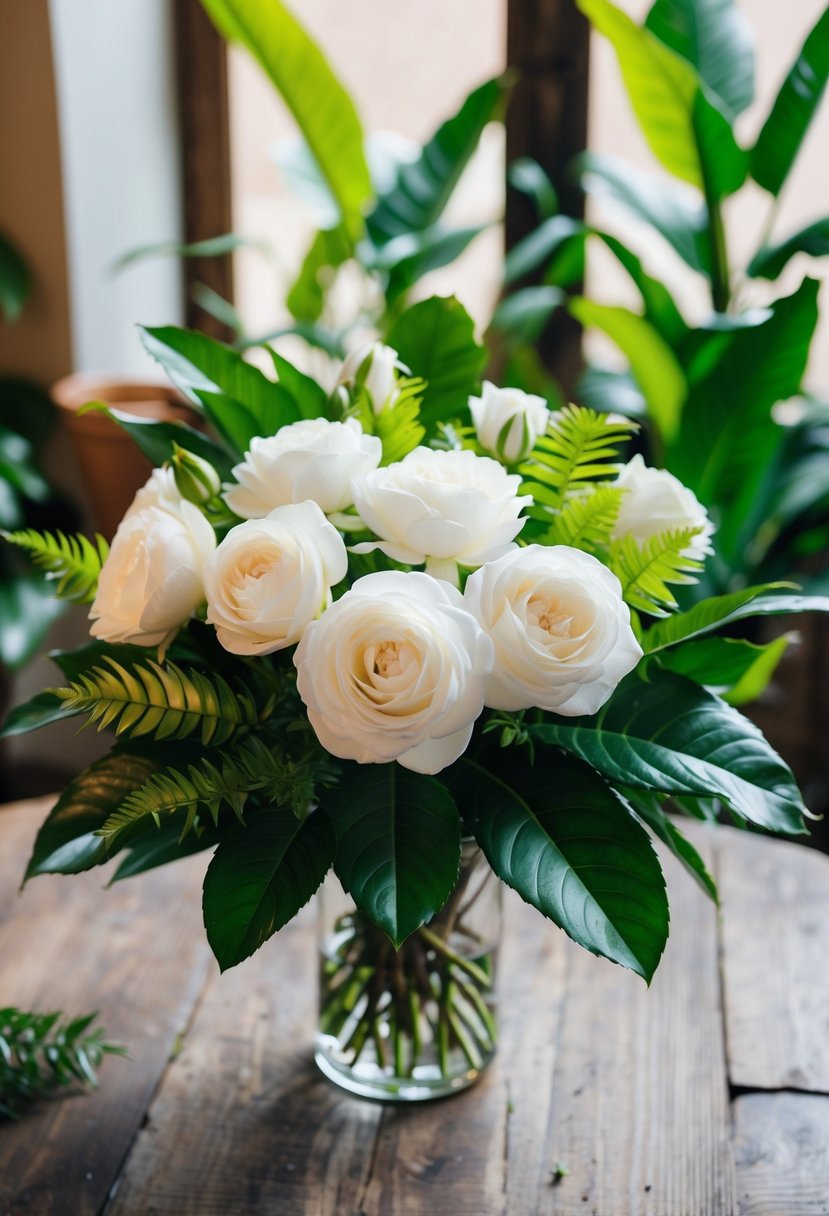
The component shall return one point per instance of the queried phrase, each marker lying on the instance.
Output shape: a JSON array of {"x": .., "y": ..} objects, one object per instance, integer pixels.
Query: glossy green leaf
[
  {"x": 323, "y": 110},
  {"x": 769, "y": 599},
  {"x": 716, "y": 39},
  {"x": 262, "y": 873},
  {"x": 435, "y": 339},
  {"x": 309, "y": 398},
  {"x": 657, "y": 201},
  {"x": 67, "y": 842},
  {"x": 398, "y": 845},
  {"x": 568, "y": 845},
  {"x": 329, "y": 249},
  {"x": 663, "y": 732},
  {"x": 769, "y": 261},
  {"x": 27, "y": 610},
  {"x": 15, "y": 281},
  {"x": 659, "y": 307},
  {"x": 40, "y": 710},
  {"x": 527, "y": 176},
  {"x": 159, "y": 845},
  {"x": 648, "y": 808},
  {"x": 686, "y": 132},
  {"x": 423, "y": 187},
  {"x": 732, "y": 667},
  {"x": 793, "y": 110},
  {"x": 653, "y": 364},
  {"x": 157, "y": 439},
  {"x": 727, "y": 433}
]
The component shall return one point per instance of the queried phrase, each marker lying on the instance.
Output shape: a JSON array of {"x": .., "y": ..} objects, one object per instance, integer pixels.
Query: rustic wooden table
[{"x": 706, "y": 1095}]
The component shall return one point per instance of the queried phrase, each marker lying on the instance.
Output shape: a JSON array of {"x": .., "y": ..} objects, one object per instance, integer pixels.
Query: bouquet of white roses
[{"x": 352, "y": 630}]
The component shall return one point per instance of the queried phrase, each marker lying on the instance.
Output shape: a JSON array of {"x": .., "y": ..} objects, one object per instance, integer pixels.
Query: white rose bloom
[
  {"x": 395, "y": 670},
  {"x": 313, "y": 459},
  {"x": 656, "y": 501},
  {"x": 442, "y": 508},
  {"x": 151, "y": 582},
  {"x": 380, "y": 380},
  {"x": 560, "y": 627},
  {"x": 269, "y": 577},
  {"x": 508, "y": 421}
]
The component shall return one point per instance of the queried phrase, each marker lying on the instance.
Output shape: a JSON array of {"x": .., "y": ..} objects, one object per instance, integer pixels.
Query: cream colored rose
[
  {"x": 395, "y": 670},
  {"x": 442, "y": 508},
  {"x": 508, "y": 421},
  {"x": 379, "y": 364},
  {"x": 655, "y": 501},
  {"x": 151, "y": 582},
  {"x": 560, "y": 628},
  {"x": 310, "y": 460},
  {"x": 269, "y": 577}
]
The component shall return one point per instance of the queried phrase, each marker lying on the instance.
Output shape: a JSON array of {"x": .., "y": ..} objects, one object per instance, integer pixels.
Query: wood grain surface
[{"x": 606, "y": 1099}]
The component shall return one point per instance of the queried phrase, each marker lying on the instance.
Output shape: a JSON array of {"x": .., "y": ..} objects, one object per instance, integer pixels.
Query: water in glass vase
[{"x": 418, "y": 1022}]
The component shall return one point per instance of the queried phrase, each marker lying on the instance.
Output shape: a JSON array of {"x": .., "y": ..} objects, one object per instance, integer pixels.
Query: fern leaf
[
  {"x": 646, "y": 570},
  {"x": 579, "y": 447},
  {"x": 398, "y": 425},
  {"x": 586, "y": 521},
  {"x": 251, "y": 766},
  {"x": 165, "y": 702},
  {"x": 74, "y": 561}
]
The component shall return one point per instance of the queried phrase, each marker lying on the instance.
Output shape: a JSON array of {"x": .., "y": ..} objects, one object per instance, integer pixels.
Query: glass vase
[{"x": 418, "y": 1022}]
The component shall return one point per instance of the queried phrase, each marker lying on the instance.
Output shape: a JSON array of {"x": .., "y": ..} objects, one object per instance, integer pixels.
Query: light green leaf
[
  {"x": 715, "y": 38},
  {"x": 690, "y": 137},
  {"x": 659, "y": 307},
  {"x": 423, "y": 187},
  {"x": 72, "y": 563},
  {"x": 732, "y": 667},
  {"x": 793, "y": 110},
  {"x": 653, "y": 363},
  {"x": 330, "y": 248},
  {"x": 663, "y": 732},
  {"x": 717, "y": 611},
  {"x": 398, "y": 845},
  {"x": 323, "y": 110},
  {"x": 769, "y": 261},
  {"x": 568, "y": 845},
  {"x": 436, "y": 341},
  {"x": 260, "y": 876}
]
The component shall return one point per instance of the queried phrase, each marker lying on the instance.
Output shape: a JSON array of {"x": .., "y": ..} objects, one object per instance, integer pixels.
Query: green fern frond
[
  {"x": 165, "y": 702},
  {"x": 579, "y": 447},
  {"x": 398, "y": 426},
  {"x": 247, "y": 767},
  {"x": 75, "y": 561},
  {"x": 646, "y": 570},
  {"x": 586, "y": 521}
]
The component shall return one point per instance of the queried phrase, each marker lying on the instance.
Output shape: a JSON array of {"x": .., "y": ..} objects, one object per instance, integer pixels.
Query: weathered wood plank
[
  {"x": 781, "y": 1154},
  {"x": 775, "y": 935},
  {"x": 243, "y": 1122},
  {"x": 640, "y": 1109},
  {"x": 136, "y": 953}
]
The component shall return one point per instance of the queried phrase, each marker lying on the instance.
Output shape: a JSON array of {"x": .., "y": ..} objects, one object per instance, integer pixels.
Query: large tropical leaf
[
  {"x": 324, "y": 111},
  {"x": 661, "y": 203},
  {"x": 718, "y": 611},
  {"x": 659, "y": 307},
  {"x": 715, "y": 38},
  {"x": 423, "y": 186},
  {"x": 262, "y": 873},
  {"x": 568, "y": 845},
  {"x": 436, "y": 341},
  {"x": 398, "y": 845},
  {"x": 793, "y": 110},
  {"x": 685, "y": 130},
  {"x": 661, "y": 731},
  {"x": 329, "y": 249},
  {"x": 769, "y": 261},
  {"x": 68, "y": 842},
  {"x": 653, "y": 364}
]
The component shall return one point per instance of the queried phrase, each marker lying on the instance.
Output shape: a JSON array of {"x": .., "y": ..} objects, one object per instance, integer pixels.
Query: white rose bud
[
  {"x": 508, "y": 421},
  {"x": 310, "y": 460},
  {"x": 442, "y": 508},
  {"x": 395, "y": 670},
  {"x": 269, "y": 577},
  {"x": 151, "y": 582},
  {"x": 655, "y": 501},
  {"x": 375, "y": 364},
  {"x": 560, "y": 627}
]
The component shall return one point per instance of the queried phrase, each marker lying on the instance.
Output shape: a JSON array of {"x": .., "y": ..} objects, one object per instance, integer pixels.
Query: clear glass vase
[{"x": 414, "y": 1023}]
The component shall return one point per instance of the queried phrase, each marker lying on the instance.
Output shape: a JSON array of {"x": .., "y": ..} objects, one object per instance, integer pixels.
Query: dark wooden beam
[
  {"x": 548, "y": 48},
  {"x": 201, "y": 58}
]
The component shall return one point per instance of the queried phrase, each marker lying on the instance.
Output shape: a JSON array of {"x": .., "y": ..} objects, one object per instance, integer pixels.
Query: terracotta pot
[{"x": 111, "y": 464}]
